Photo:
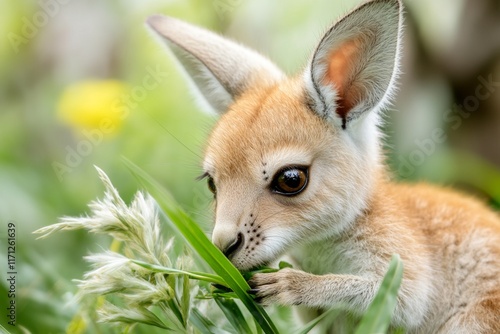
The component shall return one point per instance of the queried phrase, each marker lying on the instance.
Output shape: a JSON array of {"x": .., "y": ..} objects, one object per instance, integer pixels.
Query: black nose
[{"x": 234, "y": 246}]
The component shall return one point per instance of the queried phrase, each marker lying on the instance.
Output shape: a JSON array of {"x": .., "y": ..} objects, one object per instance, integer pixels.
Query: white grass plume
[
  {"x": 137, "y": 287},
  {"x": 136, "y": 225}
]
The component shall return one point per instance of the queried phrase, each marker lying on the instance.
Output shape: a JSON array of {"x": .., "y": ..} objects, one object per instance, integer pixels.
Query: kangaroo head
[{"x": 292, "y": 159}]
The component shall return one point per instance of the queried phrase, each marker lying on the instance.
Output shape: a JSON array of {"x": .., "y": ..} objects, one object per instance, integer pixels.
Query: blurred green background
[{"x": 84, "y": 83}]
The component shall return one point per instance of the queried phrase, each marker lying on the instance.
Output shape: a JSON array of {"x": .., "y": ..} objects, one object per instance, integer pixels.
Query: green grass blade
[
  {"x": 186, "y": 297},
  {"x": 227, "y": 295},
  {"x": 173, "y": 305},
  {"x": 172, "y": 271},
  {"x": 233, "y": 314},
  {"x": 3, "y": 330},
  {"x": 333, "y": 313},
  {"x": 257, "y": 327},
  {"x": 203, "y": 246},
  {"x": 203, "y": 324},
  {"x": 379, "y": 314},
  {"x": 169, "y": 316}
]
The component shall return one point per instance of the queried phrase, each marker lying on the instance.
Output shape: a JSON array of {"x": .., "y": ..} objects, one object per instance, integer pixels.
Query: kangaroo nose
[{"x": 233, "y": 246}]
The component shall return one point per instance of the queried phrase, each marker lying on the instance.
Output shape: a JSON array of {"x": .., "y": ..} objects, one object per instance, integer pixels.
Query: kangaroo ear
[
  {"x": 353, "y": 69},
  {"x": 220, "y": 68}
]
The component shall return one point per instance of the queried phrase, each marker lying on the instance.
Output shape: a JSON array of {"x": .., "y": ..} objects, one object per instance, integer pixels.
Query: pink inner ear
[{"x": 341, "y": 73}]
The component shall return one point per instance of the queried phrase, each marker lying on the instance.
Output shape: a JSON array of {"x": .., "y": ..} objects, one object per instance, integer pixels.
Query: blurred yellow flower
[{"x": 94, "y": 104}]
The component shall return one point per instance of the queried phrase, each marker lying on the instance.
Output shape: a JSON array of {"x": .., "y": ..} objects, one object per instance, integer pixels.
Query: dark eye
[
  {"x": 211, "y": 185},
  {"x": 290, "y": 181}
]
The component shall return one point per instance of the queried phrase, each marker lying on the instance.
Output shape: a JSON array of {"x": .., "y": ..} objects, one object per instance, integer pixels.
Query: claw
[{"x": 253, "y": 291}]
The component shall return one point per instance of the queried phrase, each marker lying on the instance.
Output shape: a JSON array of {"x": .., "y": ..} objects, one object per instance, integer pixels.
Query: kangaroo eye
[
  {"x": 290, "y": 181},
  {"x": 211, "y": 185}
]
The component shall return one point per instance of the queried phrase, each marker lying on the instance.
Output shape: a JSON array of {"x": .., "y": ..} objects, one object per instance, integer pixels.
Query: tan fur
[
  {"x": 343, "y": 228},
  {"x": 449, "y": 243}
]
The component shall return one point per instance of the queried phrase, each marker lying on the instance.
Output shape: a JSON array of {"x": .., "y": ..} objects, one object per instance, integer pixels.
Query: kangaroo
[{"x": 296, "y": 167}]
